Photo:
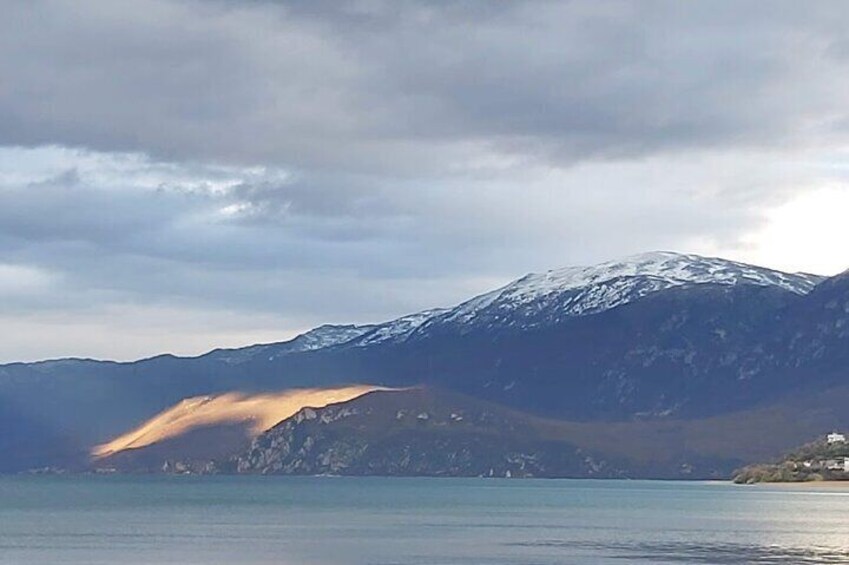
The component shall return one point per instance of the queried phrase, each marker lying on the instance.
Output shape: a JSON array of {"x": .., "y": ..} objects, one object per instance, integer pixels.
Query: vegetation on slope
[{"x": 815, "y": 461}]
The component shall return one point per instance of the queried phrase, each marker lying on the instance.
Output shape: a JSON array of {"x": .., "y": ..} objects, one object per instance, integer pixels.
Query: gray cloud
[
  {"x": 404, "y": 86},
  {"x": 307, "y": 162},
  {"x": 310, "y": 245}
]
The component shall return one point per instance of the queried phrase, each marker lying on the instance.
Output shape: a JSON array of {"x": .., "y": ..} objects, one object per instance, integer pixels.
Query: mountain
[
  {"x": 28, "y": 443},
  {"x": 434, "y": 432},
  {"x": 210, "y": 427},
  {"x": 396, "y": 330},
  {"x": 686, "y": 352},
  {"x": 319, "y": 338},
  {"x": 819, "y": 335},
  {"x": 825, "y": 459},
  {"x": 416, "y": 432},
  {"x": 547, "y": 299},
  {"x": 327, "y": 336},
  {"x": 656, "y": 337}
]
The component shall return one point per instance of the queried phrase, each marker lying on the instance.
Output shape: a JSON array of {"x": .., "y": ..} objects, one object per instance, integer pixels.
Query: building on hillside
[
  {"x": 835, "y": 437},
  {"x": 834, "y": 464}
]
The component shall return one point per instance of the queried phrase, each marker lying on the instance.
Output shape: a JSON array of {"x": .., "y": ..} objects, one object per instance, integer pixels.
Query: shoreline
[{"x": 804, "y": 484}]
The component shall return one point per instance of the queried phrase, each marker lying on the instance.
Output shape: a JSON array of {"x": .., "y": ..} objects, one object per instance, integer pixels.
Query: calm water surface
[{"x": 330, "y": 521}]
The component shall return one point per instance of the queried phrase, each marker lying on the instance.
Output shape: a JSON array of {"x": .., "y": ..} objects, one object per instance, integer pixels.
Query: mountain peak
[
  {"x": 546, "y": 298},
  {"x": 673, "y": 268},
  {"x": 542, "y": 299}
]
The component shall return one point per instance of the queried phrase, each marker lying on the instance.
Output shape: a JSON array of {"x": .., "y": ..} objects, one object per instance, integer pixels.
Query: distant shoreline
[{"x": 804, "y": 484}]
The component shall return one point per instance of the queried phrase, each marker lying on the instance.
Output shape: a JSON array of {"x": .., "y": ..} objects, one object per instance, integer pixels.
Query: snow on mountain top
[
  {"x": 398, "y": 328},
  {"x": 330, "y": 335},
  {"x": 327, "y": 335},
  {"x": 316, "y": 338},
  {"x": 675, "y": 268},
  {"x": 613, "y": 283},
  {"x": 545, "y": 298}
]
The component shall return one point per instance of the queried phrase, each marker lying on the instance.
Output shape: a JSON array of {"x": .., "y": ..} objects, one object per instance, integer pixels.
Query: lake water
[{"x": 329, "y": 521}]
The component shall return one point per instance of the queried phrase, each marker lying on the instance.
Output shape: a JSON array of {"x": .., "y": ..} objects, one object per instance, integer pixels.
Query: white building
[
  {"x": 835, "y": 437},
  {"x": 834, "y": 464}
]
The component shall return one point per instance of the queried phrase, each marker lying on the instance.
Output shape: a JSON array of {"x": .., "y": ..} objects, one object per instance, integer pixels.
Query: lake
[{"x": 395, "y": 521}]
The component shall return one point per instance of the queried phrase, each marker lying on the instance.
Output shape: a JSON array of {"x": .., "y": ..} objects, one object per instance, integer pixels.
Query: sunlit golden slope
[{"x": 260, "y": 411}]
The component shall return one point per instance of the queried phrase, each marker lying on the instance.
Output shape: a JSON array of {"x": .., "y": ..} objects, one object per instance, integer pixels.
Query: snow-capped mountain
[
  {"x": 396, "y": 330},
  {"x": 687, "y": 337},
  {"x": 543, "y": 299},
  {"x": 321, "y": 337},
  {"x": 329, "y": 335},
  {"x": 539, "y": 299}
]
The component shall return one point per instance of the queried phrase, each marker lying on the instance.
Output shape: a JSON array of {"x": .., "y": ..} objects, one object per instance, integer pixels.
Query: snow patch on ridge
[
  {"x": 399, "y": 328},
  {"x": 540, "y": 299},
  {"x": 543, "y": 299},
  {"x": 611, "y": 284}
]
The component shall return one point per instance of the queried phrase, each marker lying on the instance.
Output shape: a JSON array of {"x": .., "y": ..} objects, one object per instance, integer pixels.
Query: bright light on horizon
[{"x": 808, "y": 234}]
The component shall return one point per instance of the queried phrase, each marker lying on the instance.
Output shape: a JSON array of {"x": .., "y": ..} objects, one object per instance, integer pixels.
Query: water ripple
[{"x": 712, "y": 553}]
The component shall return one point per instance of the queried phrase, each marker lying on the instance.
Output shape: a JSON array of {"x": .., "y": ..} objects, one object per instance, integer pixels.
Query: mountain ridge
[
  {"x": 660, "y": 269},
  {"x": 434, "y": 432},
  {"x": 684, "y": 347}
]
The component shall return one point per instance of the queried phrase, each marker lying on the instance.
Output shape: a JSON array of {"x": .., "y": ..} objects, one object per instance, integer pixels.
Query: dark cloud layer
[
  {"x": 307, "y": 162},
  {"x": 395, "y": 86}
]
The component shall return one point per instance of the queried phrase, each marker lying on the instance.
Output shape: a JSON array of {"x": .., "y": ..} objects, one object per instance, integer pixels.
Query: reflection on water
[
  {"x": 348, "y": 521},
  {"x": 712, "y": 553}
]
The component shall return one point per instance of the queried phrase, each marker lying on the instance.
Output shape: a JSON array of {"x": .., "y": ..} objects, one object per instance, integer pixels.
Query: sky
[{"x": 179, "y": 175}]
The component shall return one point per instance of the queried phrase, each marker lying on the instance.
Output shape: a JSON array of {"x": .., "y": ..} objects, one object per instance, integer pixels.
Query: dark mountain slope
[
  {"x": 817, "y": 339},
  {"x": 26, "y": 443},
  {"x": 689, "y": 351}
]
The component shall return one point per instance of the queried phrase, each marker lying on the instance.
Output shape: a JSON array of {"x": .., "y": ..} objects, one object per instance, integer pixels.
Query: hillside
[
  {"x": 434, "y": 432},
  {"x": 417, "y": 432},
  {"x": 255, "y": 413},
  {"x": 431, "y": 432},
  {"x": 657, "y": 338},
  {"x": 822, "y": 460}
]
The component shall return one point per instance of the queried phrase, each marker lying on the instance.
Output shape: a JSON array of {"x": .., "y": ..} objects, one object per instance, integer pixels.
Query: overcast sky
[{"x": 180, "y": 175}]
